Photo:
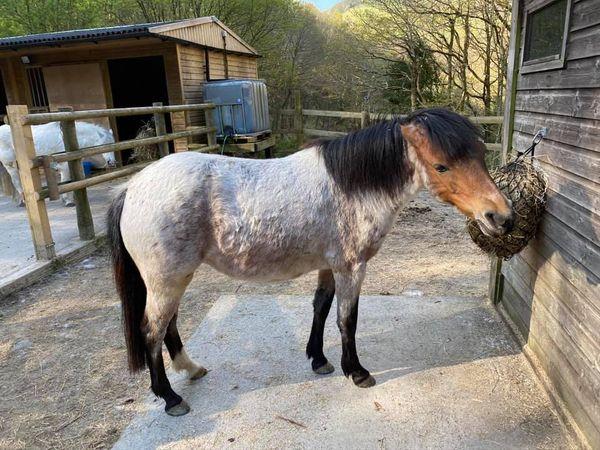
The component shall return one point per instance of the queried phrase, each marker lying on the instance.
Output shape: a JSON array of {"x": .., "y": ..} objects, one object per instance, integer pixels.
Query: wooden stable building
[
  {"x": 122, "y": 66},
  {"x": 551, "y": 291}
]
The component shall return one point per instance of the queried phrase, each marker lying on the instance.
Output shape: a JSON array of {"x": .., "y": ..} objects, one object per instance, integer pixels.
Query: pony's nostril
[
  {"x": 500, "y": 221},
  {"x": 509, "y": 224}
]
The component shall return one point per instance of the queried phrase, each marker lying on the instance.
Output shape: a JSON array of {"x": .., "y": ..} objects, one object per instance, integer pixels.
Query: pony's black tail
[{"x": 130, "y": 286}]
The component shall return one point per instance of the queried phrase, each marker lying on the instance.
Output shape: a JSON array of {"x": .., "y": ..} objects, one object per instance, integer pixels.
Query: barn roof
[{"x": 206, "y": 31}]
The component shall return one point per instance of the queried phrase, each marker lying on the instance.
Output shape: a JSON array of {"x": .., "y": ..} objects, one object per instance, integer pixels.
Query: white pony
[{"x": 47, "y": 139}]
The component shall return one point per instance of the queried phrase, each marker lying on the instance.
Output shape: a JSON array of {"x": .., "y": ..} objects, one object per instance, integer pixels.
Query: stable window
[
  {"x": 37, "y": 87},
  {"x": 546, "y": 31}
]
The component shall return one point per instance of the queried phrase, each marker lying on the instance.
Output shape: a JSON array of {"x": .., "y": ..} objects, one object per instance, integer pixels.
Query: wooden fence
[
  {"x": 29, "y": 163},
  {"x": 300, "y": 131}
]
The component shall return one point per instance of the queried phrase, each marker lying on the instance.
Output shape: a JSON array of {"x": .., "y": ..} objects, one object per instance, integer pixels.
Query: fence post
[
  {"x": 85, "y": 222},
  {"x": 211, "y": 136},
  {"x": 365, "y": 119},
  {"x": 32, "y": 183},
  {"x": 298, "y": 118},
  {"x": 161, "y": 129}
]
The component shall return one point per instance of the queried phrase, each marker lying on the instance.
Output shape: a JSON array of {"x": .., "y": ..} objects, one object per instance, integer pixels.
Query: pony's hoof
[
  {"x": 363, "y": 382},
  {"x": 69, "y": 204},
  {"x": 21, "y": 204},
  {"x": 324, "y": 369},
  {"x": 199, "y": 373},
  {"x": 180, "y": 409}
]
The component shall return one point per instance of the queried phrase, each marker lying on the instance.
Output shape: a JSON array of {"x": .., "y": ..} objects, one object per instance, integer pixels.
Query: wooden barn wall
[
  {"x": 239, "y": 66},
  {"x": 552, "y": 289},
  {"x": 99, "y": 53},
  {"x": 192, "y": 66},
  {"x": 207, "y": 34},
  {"x": 65, "y": 84}
]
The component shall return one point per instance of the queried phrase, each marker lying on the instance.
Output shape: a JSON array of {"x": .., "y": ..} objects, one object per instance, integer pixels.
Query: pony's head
[{"x": 447, "y": 152}]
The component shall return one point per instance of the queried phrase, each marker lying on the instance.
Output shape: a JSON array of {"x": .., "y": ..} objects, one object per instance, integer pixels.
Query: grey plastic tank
[{"x": 242, "y": 106}]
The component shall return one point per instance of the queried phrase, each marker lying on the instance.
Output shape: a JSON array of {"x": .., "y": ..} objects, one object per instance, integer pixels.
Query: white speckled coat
[
  {"x": 324, "y": 208},
  {"x": 250, "y": 219}
]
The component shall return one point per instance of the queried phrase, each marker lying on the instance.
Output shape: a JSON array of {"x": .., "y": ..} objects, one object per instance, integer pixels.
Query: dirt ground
[{"x": 62, "y": 359}]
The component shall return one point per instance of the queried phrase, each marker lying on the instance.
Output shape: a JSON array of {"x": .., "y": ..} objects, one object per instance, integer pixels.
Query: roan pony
[{"x": 326, "y": 208}]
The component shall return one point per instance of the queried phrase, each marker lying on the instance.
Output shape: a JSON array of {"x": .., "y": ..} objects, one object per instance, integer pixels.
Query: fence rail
[
  {"x": 299, "y": 129},
  {"x": 21, "y": 121}
]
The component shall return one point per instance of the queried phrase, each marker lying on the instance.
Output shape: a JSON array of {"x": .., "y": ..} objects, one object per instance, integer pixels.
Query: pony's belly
[{"x": 265, "y": 270}]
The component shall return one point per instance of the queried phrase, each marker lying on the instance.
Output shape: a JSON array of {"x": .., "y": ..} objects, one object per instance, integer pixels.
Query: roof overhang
[{"x": 162, "y": 30}]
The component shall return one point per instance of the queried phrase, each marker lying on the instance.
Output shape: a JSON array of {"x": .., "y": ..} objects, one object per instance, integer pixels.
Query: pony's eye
[{"x": 440, "y": 168}]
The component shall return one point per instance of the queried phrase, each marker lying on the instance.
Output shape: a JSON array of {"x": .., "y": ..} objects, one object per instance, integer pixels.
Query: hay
[
  {"x": 525, "y": 186},
  {"x": 144, "y": 153}
]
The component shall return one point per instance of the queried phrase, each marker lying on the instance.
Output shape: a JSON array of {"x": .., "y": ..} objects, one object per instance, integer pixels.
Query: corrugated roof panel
[{"x": 90, "y": 34}]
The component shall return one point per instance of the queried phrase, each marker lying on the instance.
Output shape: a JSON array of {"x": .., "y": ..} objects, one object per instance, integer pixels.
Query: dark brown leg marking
[{"x": 321, "y": 306}]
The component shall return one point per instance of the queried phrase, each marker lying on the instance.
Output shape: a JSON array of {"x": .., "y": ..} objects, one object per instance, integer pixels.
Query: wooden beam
[
  {"x": 298, "y": 118},
  {"x": 496, "y": 278},
  {"x": 30, "y": 179},
  {"x": 124, "y": 145},
  {"x": 85, "y": 221},
  {"x": 40, "y": 118},
  {"x": 161, "y": 129}
]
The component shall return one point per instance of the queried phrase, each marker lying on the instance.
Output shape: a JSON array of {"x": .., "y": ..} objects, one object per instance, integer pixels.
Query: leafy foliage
[{"x": 378, "y": 55}]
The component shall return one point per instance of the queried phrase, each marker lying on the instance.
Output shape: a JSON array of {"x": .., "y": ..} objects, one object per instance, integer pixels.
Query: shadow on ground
[{"x": 448, "y": 372}]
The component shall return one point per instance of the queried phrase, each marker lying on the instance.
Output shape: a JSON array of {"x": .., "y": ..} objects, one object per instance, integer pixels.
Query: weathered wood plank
[
  {"x": 571, "y": 386},
  {"x": 30, "y": 179},
  {"x": 580, "y": 73},
  {"x": 544, "y": 251},
  {"x": 577, "y": 218},
  {"x": 570, "y": 312},
  {"x": 517, "y": 308},
  {"x": 583, "y": 250},
  {"x": 558, "y": 337},
  {"x": 584, "y": 14},
  {"x": 85, "y": 220},
  {"x": 578, "y": 161},
  {"x": 580, "y": 103},
  {"x": 323, "y": 133},
  {"x": 583, "y": 43},
  {"x": 579, "y": 190},
  {"x": 577, "y": 132}
]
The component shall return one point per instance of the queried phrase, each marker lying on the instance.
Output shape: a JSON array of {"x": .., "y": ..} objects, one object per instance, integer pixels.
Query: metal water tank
[{"x": 242, "y": 107}]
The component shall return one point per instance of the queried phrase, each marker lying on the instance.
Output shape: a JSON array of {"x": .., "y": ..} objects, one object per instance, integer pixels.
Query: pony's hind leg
[
  {"x": 181, "y": 361},
  {"x": 321, "y": 306},
  {"x": 160, "y": 309}
]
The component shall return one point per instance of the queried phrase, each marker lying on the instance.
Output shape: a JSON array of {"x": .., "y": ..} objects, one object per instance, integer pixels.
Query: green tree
[{"x": 418, "y": 76}]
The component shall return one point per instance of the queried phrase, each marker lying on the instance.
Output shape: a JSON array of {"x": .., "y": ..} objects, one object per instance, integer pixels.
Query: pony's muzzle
[{"x": 497, "y": 224}]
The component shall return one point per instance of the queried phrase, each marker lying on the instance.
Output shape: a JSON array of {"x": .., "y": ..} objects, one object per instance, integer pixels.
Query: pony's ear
[{"x": 412, "y": 134}]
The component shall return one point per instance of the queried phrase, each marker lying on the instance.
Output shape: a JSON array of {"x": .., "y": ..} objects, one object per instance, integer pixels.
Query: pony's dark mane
[
  {"x": 370, "y": 159},
  {"x": 374, "y": 158}
]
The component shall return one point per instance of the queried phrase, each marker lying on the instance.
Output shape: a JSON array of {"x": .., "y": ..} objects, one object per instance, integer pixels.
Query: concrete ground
[
  {"x": 16, "y": 247},
  {"x": 449, "y": 375}
]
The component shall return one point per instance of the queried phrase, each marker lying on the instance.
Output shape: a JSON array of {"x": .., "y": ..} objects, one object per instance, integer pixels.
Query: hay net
[{"x": 525, "y": 186}]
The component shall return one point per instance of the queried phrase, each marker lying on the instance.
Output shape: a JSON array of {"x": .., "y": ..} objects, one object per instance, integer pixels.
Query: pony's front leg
[
  {"x": 13, "y": 172},
  {"x": 348, "y": 286},
  {"x": 65, "y": 175}
]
